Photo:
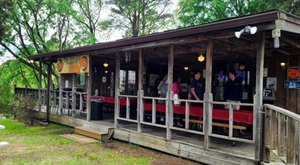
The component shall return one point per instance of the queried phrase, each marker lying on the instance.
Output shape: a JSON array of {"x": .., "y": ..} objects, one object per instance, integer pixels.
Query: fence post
[
  {"x": 297, "y": 143},
  {"x": 281, "y": 135},
  {"x": 290, "y": 154},
  {"x": 268, "y": 134}
]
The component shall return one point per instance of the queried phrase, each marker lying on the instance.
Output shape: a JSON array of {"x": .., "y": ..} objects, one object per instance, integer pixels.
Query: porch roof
[{"x": 264, "y": 18}]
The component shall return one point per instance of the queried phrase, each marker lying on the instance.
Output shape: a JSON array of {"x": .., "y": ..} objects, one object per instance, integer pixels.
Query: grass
[{"x": 44, "y": 145}]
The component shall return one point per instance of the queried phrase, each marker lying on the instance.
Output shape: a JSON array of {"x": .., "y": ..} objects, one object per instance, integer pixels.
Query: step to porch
[
  {"x": 101, "y": 133},
  {"x": 79, "y": 138}
]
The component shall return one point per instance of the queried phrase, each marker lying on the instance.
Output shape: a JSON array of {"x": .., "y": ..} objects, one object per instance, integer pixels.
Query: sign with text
[
  {"x": 292, "y": 84},
  {"x": 78, "y": 64}
]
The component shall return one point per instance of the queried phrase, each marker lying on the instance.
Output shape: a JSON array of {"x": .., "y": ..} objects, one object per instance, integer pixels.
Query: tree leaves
[
  {"x": 139, "y": 17},
  {"x": 194, "y": 12}
]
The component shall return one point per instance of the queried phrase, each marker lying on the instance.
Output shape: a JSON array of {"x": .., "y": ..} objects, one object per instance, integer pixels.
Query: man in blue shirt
[
  {"x": 196, "y": 87},
  {"x": 233, "y": 90}
]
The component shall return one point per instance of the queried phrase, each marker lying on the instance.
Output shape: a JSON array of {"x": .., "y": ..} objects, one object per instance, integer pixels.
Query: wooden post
[
  {"x": 274, "y": 130},
  {"x": 297, "y": 143},
  {"x": 141, "y": 106},
  {"x": 40, "y": 86},
  {"x": 89, "y": 90},
  {"x": 117, "y": 83},
  {"x": 290, "y": 154},
  {"x": 208, "y": 94},
  {"x": 268, "y": 134},
  {"x": 48, "y": 91},
  {"x": 187, "y": 115},
  {"x": 73, "y": 95},
  {"x": 127, "y": 108},
  {"x": 60, "y": 103},
  {"x": 140, "y": 88},
  {"x": 153, "y": 111},
  {"x": 281, "y": 135},
  {"x": 258, "y": 107},
  {"x": 169, "y": 108},
  {"x": 230, "y": 121}
]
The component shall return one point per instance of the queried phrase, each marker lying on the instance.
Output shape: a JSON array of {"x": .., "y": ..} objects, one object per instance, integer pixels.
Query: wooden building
[{"x": 264, "y": 51}]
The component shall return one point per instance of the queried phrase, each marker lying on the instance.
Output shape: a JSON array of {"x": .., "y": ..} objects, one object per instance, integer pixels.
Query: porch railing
[
  {"x": 282, "y": 134},
  {"x": 150, "y": 117},
  {"x": 231, "y": 110},
  {"x": 128, "y": 108},
  {"x": 67, "y": 106}
]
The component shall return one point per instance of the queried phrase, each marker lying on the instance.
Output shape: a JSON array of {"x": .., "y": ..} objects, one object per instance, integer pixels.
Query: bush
[{"x": 23, "y": 110}]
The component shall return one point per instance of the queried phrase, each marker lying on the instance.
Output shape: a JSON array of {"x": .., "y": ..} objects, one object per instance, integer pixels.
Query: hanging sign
[
  {"x": 78, "y": 64},
  {"x": 293, "y": 73}
]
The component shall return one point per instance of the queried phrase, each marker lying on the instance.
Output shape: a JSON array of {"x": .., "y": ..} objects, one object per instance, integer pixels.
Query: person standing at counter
[
  {"x": 233, "y": 90},
  {"x": 196, "y": 87}
]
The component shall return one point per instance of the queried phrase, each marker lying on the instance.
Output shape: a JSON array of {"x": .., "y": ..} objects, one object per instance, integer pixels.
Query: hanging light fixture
[
  {"x": 186, "y": 68},
  {"x": 282, "y": 64},
  {"x": 105, "y": 65},
  {"x": 201, "y": 58}
]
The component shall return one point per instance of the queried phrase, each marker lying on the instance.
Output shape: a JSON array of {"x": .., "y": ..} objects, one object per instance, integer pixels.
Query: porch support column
[
  {"x": 73, "y": 95},
  {"x": 60, "y": 103},
  {"x": 48, "y": 91},
  {"x": 208, "y": 95},
  {"x": 258, "y": 107},
  {"x": 40, "y": 85},
  {"x": 169, "y": 108},
  {"x": 89, "y": 90},
  {"x": 117, "y": 83},
  {"x": 140, "y": 89}
]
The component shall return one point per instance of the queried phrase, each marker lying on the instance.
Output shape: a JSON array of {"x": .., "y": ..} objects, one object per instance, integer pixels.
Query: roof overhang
[{"x": 272, "y": 20}]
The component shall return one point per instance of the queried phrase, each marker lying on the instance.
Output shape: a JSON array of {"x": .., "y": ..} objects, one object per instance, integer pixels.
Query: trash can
[{"x": 96, "y": 110}]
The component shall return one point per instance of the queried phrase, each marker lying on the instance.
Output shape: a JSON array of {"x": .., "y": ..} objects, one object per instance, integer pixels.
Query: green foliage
[
  {"x": 30, "y": 27},
  {"x": 5, "y": 7},
  {"x": 140, "y": 17},
  {"x": 194, "y": 12},
  {"x": 12, "y": 73},
  {"x": 22, "y": 110}
]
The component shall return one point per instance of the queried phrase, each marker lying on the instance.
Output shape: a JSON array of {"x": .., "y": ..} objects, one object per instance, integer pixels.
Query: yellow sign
[{"x": 79, "y": 64}]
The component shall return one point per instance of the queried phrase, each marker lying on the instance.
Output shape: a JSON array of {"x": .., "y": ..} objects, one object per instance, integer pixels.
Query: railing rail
[
  {"x": 231, "y": 122},
  {"x": 69, "y": 105},
  {"x": 128, "y": 108},
  {"x": 282, "y": 134}
]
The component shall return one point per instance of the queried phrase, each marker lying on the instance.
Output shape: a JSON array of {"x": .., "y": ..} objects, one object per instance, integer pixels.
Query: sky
[{"x": 116, "y": 35}]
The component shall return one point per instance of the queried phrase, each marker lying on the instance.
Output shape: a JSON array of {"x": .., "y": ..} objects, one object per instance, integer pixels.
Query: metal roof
[{"x": 219, "y": 25}]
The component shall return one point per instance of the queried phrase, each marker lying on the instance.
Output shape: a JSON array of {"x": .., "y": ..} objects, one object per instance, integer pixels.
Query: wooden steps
[
  {"x": 79, "y": 138},
  {"x": 89, "y": 133},
  {"x": 102, "y": 133}
]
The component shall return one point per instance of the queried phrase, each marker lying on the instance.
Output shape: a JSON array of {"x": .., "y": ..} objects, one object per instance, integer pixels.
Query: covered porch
[{"x": 124, "y": 75}]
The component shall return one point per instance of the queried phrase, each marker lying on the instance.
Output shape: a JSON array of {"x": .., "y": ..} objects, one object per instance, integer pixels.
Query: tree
[
  {"x": 139, "y": 17},
  {"x": 40, "y": 26},
  {"x": 5, "y": 7},
  {"x": 290, "y": 6},
  {"x": 88, "y": 17},
  {"x": 194, "y": 12}
]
